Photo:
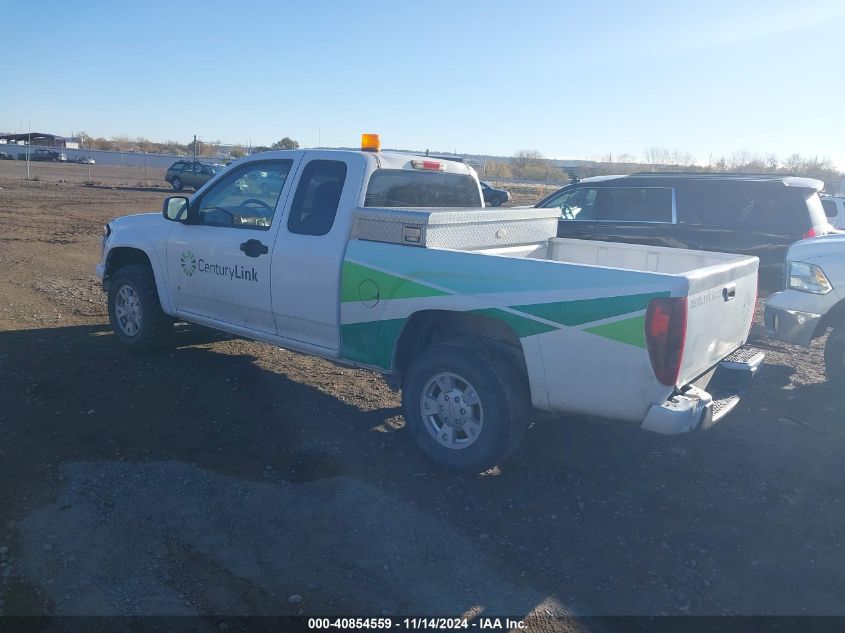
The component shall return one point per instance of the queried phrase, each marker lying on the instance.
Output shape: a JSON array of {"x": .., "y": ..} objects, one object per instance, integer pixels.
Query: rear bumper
[{"x": 696, "y": 408}]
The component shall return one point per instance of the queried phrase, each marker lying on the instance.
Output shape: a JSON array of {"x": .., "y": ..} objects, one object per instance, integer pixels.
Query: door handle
[{"x": 254, "y": 248}]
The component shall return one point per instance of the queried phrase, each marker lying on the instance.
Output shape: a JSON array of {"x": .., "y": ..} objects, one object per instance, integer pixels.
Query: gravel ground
[{"x": 229, "y": 477}]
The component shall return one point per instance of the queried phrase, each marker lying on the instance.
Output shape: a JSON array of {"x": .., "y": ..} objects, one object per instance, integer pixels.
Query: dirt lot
[{"x": 229, "y": 477}]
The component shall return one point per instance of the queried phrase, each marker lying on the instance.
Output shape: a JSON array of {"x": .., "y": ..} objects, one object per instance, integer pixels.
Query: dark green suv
[{"x": 194, "y": 174}]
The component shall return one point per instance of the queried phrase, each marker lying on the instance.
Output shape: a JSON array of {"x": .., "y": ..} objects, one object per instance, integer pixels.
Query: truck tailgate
[{"x": 720, "y": 307}]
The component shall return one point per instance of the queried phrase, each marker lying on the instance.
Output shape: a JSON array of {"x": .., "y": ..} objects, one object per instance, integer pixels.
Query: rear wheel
[
  {"x": 834, "y": 355},
  {"x": 466, "y": 407},
  {"x": 135, "y": 313},
  {"x": 177, "y": 183}
]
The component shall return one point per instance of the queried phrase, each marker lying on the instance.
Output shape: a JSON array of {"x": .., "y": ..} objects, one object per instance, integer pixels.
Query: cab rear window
[{"x": 406, "y": 188}]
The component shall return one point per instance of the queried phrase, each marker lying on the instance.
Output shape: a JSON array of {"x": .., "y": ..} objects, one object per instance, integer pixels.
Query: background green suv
[{"x": 186, "y": 173}]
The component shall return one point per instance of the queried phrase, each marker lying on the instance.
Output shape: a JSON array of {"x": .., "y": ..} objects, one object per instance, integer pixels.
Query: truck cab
[{"x": 278, "y": 211}]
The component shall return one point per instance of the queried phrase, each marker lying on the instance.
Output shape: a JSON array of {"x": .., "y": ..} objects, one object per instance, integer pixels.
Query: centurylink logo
[{"x": 189, "y": 263}]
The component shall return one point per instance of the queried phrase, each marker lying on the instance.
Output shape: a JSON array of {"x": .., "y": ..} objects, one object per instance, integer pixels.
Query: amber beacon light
[{"x": 370, "y": 143}]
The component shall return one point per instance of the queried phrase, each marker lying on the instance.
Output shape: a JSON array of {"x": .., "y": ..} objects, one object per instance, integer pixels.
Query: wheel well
[
  {"x": 124, "y": 256},
  {"x": 430, "y": 327},
  {"x": 833, "y": 316}
]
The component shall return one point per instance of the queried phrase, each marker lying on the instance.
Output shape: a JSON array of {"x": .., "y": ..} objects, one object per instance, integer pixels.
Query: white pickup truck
[
  {"x": 813, "y": 300},
  {"x": 387, "y": 261}
]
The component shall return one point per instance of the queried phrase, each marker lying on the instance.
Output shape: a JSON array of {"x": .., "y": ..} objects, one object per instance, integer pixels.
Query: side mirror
[{"x": 175, "y": 208}]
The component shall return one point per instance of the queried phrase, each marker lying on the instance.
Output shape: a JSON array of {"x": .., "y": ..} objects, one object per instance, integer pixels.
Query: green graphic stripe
[
  {"x": 389, "y": 286},
  {"x": 630, "y": 331},
  {"x": 371, "y": 342},
  {"x": 588, "y": 310},
  {"x": 522, "y": 326}
]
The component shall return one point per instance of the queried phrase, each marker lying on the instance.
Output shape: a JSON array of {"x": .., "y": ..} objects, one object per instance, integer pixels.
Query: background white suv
[{"x": 834, "y": 209}]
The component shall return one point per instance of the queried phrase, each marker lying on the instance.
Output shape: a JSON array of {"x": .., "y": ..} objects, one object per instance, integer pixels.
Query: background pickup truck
[
  {"x": 385, "y": 261},
  {"x": 812, "y": 301}
]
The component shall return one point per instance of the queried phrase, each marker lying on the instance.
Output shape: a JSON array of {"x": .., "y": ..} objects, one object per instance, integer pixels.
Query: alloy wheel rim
[
  {"x": 127, "y": 310},
  {"x": 451, "y": 410}
]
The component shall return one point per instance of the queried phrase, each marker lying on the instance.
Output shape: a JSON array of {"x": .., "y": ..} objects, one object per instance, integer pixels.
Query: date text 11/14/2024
[{"x": 434, "y": 624}]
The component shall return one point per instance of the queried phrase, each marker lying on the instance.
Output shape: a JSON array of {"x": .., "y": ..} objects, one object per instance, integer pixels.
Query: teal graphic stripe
[{"x": 583, "y": 311}]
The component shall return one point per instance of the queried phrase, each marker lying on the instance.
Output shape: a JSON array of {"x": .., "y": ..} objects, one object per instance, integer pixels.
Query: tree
[
  {"x": 285, "y": 143},
  {"x": 525, "y": 159},
  {"x": 663, "y": 156}
]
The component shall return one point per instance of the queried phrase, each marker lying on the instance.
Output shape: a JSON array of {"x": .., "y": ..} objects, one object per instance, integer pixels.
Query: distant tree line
[
  {"x": 206, "y": 149},
  {"x": 531, "y": 165}
]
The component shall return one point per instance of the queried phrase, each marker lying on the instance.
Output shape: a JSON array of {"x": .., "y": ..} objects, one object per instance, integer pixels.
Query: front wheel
[
  {"x": 135, "y": 313},
  {"x": 834, "y": 355},
  {"x": 465, "y": 407},
  {"x": 176, "y": 183}
]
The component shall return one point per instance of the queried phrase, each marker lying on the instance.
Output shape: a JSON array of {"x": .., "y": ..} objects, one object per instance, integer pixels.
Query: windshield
[{"x": 406, "y": 188}]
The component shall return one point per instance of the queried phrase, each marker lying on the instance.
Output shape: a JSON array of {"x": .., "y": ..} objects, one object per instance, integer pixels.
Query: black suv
[
  {"x": 494, "y": 196},
  {"x": 736, "y": 213},
  {"x": 186, "y": 173}
]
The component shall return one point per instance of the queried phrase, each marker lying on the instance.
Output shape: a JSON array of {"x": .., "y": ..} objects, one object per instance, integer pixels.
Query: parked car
[
  {"x": 834, "y": 209},
  {"x": 493, "y": 196},
  {"x": 758, "y": 215},
  {"x": 194, "y": 174},
  {"x": 5, "y": 156},
  {"x": 813, "y": 300},
  {"x": 613, "y": 330},
  {"x": 85, "y": 160}
]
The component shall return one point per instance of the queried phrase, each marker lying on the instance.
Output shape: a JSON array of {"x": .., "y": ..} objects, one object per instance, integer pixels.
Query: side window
[
  {"x": 178, "y": 166},
  {"x": 715, "y": 203},
  {"x": 317, "y": 196},
  {"x": 245, "y": 197},
  {"x": 634, "y": 204},
  {"x": 206, "y": 170},
  {"x": 575, "y": 204},
  {"x": 759, "y": 206},
  {"x": 829, "y": 208}
]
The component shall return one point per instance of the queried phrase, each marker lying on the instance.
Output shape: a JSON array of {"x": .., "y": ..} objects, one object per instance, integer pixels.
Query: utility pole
[
  {"x": 28, "y": 145},
  {"x": 195, "y": 148}
]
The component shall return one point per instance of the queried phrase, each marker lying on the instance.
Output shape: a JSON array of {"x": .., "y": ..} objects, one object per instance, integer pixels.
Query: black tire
[
  {"x": 155, "y": 327},
  {"x": 834, "y": 355},
  {"x": 501, "y": 391},
  {"x": 497, "y": 202},
  {"x": 176, "y": 183}
]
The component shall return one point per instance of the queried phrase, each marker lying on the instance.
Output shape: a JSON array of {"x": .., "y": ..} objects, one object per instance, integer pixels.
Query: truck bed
[
  {"x": 512, "y": 256},
  {"x": 655, "y": 259}
]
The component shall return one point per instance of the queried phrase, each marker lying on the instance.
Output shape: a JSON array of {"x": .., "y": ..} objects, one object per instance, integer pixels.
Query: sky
[{"x": 569, "y": 79}]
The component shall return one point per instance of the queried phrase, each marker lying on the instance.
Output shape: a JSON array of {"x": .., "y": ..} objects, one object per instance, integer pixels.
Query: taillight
[
  {"x": 428, "y": 164},
  {"x": 665, "y": 334},
  {"x": 810, "y": 233}
]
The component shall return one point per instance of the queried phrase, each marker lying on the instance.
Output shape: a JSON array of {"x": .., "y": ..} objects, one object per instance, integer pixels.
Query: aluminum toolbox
[{"x": 455, "y": 228}]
